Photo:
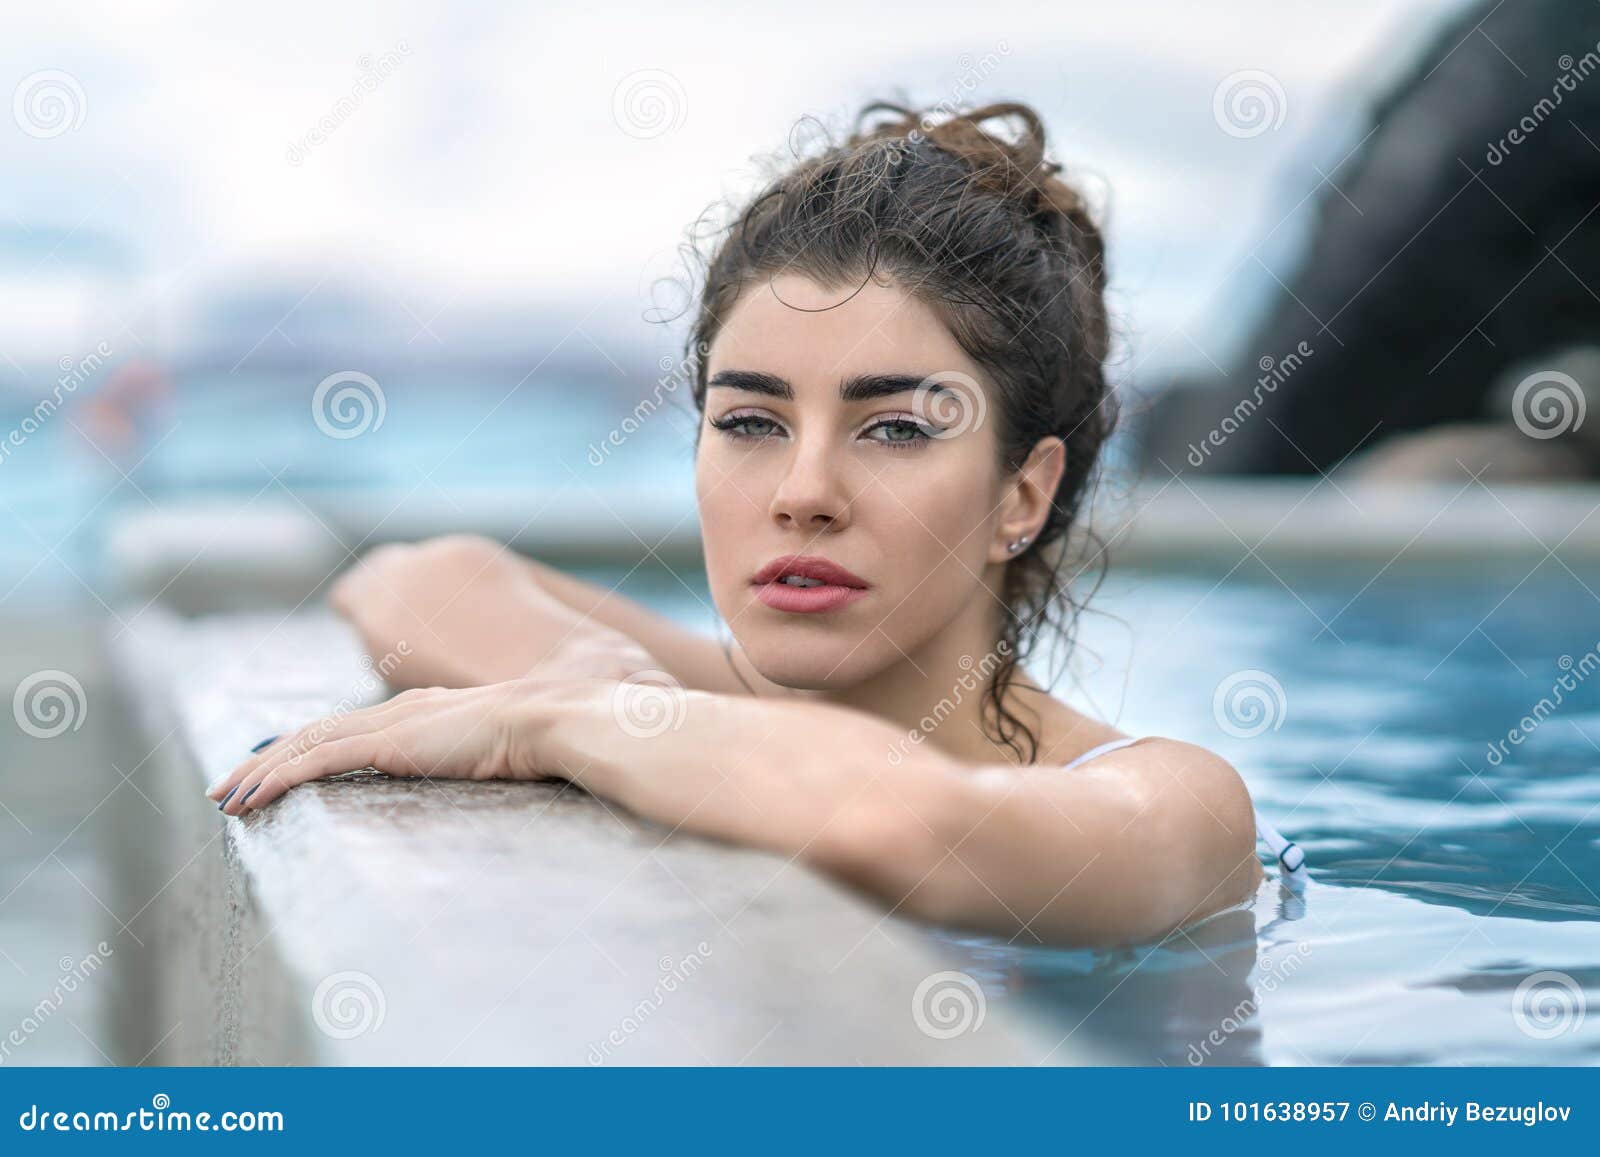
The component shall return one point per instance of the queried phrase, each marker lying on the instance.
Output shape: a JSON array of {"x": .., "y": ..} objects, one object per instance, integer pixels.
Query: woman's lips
[
  {"x": 837, "y": 587},
  {"x": 813, "y": 566},
  {"x": 807, "y": 600}
]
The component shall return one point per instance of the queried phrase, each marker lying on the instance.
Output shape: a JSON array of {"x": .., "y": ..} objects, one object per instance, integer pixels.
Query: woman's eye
[
  {"x": 738, "y": 425},
  {"x": 901, "y": 432}
]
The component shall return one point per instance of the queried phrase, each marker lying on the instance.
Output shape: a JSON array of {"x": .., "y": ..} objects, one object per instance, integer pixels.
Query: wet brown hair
[{"x": 980, "y": 227}]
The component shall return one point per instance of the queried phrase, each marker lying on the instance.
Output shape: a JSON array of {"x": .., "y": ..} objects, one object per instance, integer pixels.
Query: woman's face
[{"x": 852, "y": 429}]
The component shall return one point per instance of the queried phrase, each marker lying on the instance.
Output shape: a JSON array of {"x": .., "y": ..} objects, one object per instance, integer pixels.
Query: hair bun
[{"x": 1016, "y": 169}]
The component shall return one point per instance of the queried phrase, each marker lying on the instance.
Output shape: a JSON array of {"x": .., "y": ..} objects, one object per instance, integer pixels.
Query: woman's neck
[{"x": 938, "y": 693}]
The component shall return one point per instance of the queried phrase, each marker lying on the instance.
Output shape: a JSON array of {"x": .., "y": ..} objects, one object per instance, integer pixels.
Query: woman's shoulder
[
  {"x": 1159, "y": 756},
  {"x": 1180, "y": 775},
  {"x": 1069, "y": 738}
]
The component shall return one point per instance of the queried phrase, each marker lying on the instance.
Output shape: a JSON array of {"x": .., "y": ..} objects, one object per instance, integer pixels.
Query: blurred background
[
  {"x": 389, "y": 271},
  {"x": 206, "y": 214}
]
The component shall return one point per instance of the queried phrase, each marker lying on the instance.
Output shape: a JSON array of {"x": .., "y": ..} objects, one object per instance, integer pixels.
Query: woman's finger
[
  {"x": 464, "y": 734},
  {"x": 295, "y": 745},
  {"x": 291, "y": 749},
  {"x": 270, "y": 752},
  {"x": 381, "y": 748},
  {"x": 333, "y": 758}
]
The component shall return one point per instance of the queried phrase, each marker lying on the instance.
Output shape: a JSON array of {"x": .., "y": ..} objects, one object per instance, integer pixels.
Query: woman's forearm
[
  {"x": 466, "y": 611},
  {"x": 808, "y": 780}
]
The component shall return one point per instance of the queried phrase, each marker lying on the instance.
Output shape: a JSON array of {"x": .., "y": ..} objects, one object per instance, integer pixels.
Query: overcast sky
[{"x": 525, "y": 153}]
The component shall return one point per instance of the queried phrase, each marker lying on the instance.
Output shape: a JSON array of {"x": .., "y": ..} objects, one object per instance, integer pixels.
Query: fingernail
[
  {"x": 248, "y": 794},
  {"x": 227, "y": 797},
  {"x": 264, "y": 743}
]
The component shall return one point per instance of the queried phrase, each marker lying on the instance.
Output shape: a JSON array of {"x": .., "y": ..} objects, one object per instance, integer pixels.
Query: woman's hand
[
  {"x": 471, "y": 733},
  {"x": 461, "y": 611}
]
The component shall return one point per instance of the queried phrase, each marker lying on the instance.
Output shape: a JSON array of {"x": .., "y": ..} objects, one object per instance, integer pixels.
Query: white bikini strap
[{"x": 1093, "y": 752}]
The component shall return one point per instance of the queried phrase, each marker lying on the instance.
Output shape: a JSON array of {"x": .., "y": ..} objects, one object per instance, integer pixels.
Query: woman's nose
[{"x": 813, "y": 491}]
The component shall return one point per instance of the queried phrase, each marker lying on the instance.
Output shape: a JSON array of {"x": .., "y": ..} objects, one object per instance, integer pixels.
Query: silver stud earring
[{"x": 1018, "y": 545}]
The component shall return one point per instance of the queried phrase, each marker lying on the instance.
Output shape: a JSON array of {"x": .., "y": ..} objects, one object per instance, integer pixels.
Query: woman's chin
[{"x": 813, "y": 671}]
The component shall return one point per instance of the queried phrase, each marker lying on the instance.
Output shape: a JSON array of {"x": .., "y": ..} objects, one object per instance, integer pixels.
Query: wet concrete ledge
[{"x": 367, "y": 920}]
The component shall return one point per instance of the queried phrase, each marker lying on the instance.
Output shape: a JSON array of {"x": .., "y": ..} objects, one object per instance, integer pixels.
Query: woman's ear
[{"x": 1030, "y": 492}]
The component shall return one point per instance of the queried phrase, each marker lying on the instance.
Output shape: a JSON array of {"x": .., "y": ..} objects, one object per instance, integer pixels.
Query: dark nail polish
[
  {"x": 248, "y": 794},
  {"x": 268, "y": 740},
  {"x": 227, "y": 797}
]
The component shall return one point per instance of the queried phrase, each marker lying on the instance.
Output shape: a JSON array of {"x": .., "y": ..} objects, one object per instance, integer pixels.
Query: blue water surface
[{"x": 1451, "y": 912}]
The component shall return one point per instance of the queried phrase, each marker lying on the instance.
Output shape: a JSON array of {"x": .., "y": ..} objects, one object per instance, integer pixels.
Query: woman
[{"x": 897, "y": 361}]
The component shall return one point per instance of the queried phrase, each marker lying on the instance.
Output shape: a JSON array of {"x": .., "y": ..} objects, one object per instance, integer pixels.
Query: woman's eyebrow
[
  {"x": 858, "y": 388},
  {"x": 754, "y": 381},
  {"x": 865, "y": 387}
]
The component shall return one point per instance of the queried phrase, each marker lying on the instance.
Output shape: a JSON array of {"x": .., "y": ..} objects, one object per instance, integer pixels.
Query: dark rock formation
[{"x": 1469, "y": 247}]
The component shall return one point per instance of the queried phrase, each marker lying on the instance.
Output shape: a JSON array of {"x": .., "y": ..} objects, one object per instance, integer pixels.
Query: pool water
[{"x": 1450, "y": 916}]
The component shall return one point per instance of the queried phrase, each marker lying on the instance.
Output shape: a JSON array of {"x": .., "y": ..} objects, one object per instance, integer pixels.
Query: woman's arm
[
  {"x": 1123, "y": 849},
  {"x": 474, "y": 612},
  {"x": 1126, "y": 848}
]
